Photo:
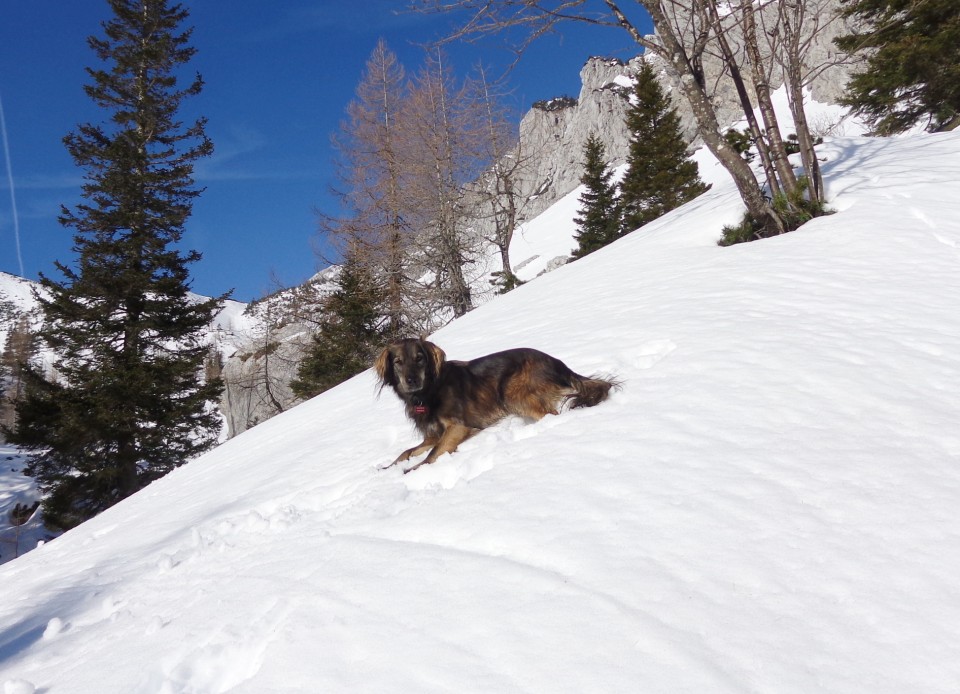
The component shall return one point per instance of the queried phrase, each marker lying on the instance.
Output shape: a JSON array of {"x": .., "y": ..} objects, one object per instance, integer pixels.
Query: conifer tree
[
  {"x": 912, "y": 73},
  {"x": 349, "y": 334},
  {"x": 128, "y": 403},
  {"x": 598, "y": 222},
  {"x": 660, "y": 176}
]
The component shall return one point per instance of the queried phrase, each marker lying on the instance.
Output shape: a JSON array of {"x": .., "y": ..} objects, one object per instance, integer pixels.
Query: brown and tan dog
[{"x": 450, "y": 401}]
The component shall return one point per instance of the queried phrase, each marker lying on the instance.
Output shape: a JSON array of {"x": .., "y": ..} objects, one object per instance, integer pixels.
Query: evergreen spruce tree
[
  {"x": 660, "y": 176},
  {"x": 350, "y": 332},
  {"x": 912, "y": 73},
  {"x": 598, "y": 222},
  {"x": 128, "y": 402}
]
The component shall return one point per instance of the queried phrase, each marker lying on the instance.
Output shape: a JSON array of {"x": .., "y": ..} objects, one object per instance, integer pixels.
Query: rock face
[
  {"x": 257, "y": 377},
  {"x": 259, "y": 370},
  {"x": 827, "y": 70},
  {"x": 557, "y": 130}
]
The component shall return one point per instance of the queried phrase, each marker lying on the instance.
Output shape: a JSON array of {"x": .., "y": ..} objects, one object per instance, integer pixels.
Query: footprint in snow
[
  {"x": 222, "y": 533},
  {"x": 231, "y": 655},
  {"x": 649, "y": 353}
]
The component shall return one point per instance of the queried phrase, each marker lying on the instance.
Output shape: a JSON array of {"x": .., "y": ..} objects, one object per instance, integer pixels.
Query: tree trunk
[
  {"x": 791, "y": 19},
  {"x": 708, "y": 126},
  {"x": 763, "y": 150},
  {"x": 761, "y": 85}
]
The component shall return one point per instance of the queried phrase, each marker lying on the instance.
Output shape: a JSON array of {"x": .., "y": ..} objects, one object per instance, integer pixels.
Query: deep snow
[{"x": 771, "y": 503}]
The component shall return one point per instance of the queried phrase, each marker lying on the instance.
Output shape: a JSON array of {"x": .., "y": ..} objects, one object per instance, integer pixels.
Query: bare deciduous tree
[
  {"x": 374, "y": 194},
  {"x": 415, "y": 160},
  {"x": 438, "y": 128},
  {"x": 800, "y": 24},
  {"x": 497, "y": 199}
]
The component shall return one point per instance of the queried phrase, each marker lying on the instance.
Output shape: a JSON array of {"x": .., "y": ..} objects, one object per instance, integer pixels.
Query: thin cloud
[{"x": 227, "y": 163}]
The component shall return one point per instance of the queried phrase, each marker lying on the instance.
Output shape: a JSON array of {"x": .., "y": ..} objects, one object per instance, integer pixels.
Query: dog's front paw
[
  {"x": 425, "y": 461},
  {"x": 399, "y": 459}
]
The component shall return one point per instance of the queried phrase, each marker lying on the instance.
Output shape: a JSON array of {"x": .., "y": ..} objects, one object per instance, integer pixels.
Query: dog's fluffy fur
[{"x": 450, "y": 401}]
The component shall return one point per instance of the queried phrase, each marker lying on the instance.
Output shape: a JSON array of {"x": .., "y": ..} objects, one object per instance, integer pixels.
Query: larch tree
[
  {"x": 128, "y": 402},
  {"x": 374, "y": 188},
  {"x": 440, "y": 125},
  {"x": 19, "y": 354}
]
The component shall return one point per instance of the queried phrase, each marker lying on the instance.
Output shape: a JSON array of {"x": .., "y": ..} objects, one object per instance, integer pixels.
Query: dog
[{"x": 450, "y": 401}]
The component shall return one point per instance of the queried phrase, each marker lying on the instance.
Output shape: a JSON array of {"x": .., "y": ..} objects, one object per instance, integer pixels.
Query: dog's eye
[
  {"x": 397, "y": 361},
  {"x": 419, "y": 357}
]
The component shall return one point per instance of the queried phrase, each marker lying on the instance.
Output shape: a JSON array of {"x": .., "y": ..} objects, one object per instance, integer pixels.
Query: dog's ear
[
  {"x": 384, "y": 368},
  {"x": 437, "y": 355}
]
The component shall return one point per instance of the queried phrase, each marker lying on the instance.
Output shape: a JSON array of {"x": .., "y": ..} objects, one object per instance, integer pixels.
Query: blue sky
[{"x": 278, "y": 78}]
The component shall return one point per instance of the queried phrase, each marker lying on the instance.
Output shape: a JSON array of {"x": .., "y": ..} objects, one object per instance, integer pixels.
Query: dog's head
[{"x": 409, "y": 366}]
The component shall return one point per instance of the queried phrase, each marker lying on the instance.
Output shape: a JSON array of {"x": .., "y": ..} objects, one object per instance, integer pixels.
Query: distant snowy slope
[
  {"x": 18, "y": 293},
  {"x": 16, "y": 290},
  {"x": 771, "y": 503},
  {"x": 16, "y": 296}
]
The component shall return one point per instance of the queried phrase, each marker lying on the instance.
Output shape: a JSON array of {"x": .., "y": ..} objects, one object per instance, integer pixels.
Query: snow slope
[{"x": 771, "y": 503}]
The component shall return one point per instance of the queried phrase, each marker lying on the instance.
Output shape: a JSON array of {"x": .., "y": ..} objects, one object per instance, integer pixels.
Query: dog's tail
[{"x": 590, "y": 390}]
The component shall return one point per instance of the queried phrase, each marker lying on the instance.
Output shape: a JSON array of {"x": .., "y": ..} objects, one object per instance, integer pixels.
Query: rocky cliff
[
  {"x": 555, "y": 132},
  {"x": 258, "y": 372}
]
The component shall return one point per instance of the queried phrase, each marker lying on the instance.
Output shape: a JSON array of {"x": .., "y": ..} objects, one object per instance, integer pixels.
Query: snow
[
  {"x": 16, "y": 290},
  {"x": 770, "y": 504}
]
